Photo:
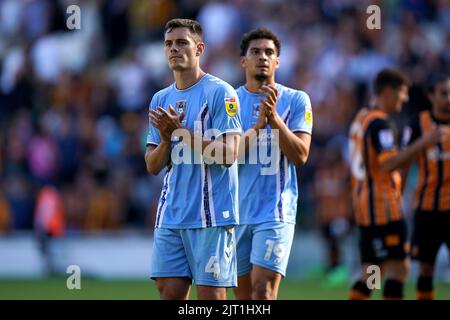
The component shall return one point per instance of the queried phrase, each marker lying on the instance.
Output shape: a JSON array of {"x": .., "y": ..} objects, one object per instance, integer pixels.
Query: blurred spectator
[
  {"x": 131, "y": 83},
  {"x": 43, "y": 156},
  {"x": 49, "y": 212},
  {"x": 19, "y": 193},
  {"x": 5, "y": 214},
  {"x": 116, "y": 26},
  {"x": 49, "y": 222},
  {"x": 225, "y": 15},
  {"x": 104, "y": 208}
]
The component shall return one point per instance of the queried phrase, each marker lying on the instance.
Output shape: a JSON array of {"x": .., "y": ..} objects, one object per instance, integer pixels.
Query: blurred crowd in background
[{"x": 73, "y": 103}]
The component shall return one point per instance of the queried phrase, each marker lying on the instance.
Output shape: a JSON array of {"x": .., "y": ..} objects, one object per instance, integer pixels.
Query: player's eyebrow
[
  {"x": 264, "y": 48},
  {"x": 178, "y": 40}
]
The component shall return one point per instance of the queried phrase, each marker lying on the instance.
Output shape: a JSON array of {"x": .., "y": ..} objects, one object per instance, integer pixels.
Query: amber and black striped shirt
[
  {"x": 433, "y": 188},
  {"x": 376, "y": 193}
]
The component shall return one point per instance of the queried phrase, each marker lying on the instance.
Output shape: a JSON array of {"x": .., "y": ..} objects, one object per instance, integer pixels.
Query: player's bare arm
[
  {"x": 230, "y": 148},
  {"x": 228, "y": 144},
  {"x": 404, "y": 174},
  {"x": 294, "y": 145},
  {"x": 404, "y": 157},
  {"x": 157, "y": 157}
]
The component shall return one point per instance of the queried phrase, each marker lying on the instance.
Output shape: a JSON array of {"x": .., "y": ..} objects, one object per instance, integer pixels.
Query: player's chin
[
  {"x": 261, "y": 76},
  {"x": 176, "y": 67}
]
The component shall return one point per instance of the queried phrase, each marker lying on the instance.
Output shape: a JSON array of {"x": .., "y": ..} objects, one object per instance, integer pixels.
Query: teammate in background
[
  {"x": 268, "y": 203},
  {"x": 194, "y": 236},
  {"x": 376, "y": 183},
  {"x": 432, "y": 196}
]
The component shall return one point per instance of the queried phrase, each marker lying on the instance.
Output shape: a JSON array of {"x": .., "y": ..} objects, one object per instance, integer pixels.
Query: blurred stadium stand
[{"x": 73, "y": 111}]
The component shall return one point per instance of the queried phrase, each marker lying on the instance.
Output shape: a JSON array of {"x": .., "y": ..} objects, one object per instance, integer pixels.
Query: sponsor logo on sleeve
[
  {"x": 308, "y": 117},
  {"x": 231, "y": 106}
]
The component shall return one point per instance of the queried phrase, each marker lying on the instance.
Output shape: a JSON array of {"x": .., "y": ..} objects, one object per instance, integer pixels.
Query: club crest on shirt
[
  {"x": 255, "y": 111},
  {"x": 180, "y": 106},
  {"x": 231, "y": 106}
]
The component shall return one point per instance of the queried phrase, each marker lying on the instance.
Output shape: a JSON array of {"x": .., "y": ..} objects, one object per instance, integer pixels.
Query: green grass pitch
[{"x": 55, "y": 288}]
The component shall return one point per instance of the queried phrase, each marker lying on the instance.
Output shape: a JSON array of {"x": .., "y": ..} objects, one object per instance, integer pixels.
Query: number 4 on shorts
[{"x": 213, "y": 267}]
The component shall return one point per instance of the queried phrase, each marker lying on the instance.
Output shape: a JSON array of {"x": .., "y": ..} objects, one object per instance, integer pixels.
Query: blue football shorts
[
  {"x": 206, "y": 255},
  {"x": 266, "y": 244}
]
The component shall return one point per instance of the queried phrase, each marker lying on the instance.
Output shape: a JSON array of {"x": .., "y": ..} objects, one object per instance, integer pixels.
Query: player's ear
[
  {"x": 242, "y": 60},
  {"x": 277, "y": 63},
  {"x": 200, "y": 48}
]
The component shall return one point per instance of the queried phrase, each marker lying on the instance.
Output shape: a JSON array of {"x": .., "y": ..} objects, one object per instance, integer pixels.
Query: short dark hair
[
  {"x": 391, "y": 78},
  {"x": 435, "y": 79},
  {"x": 194, "y": 27},
  {"x": 260, "y": 33}
]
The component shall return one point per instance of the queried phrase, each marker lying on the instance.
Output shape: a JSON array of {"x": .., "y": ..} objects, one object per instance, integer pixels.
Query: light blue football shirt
[
  {"x": 197, "y": 195},
  {"x": 266, "y": 198}
]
